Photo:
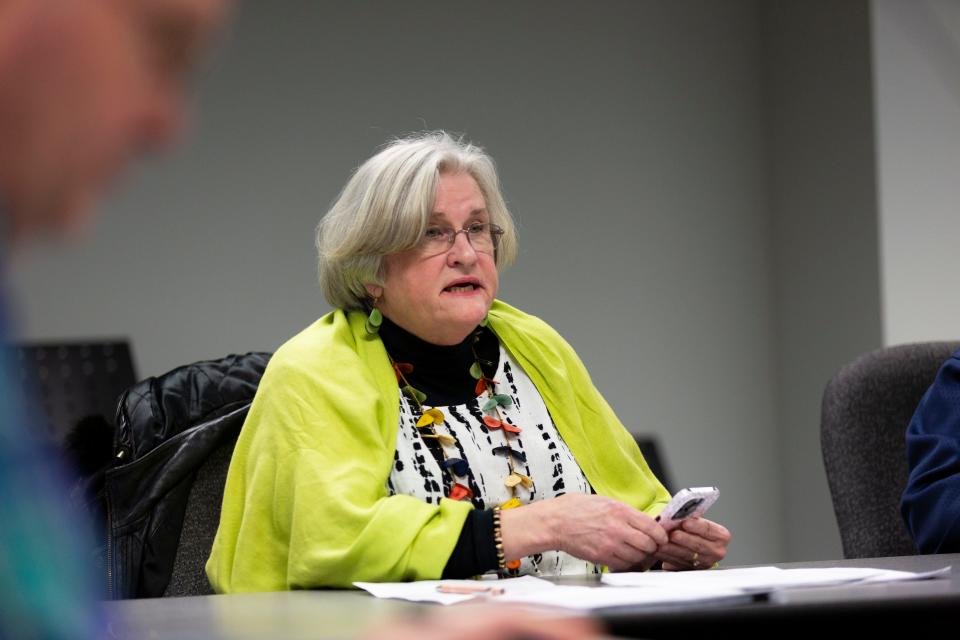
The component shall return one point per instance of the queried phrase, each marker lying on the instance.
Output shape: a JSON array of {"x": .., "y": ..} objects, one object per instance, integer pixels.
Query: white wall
[
  {"x": 916, "y": 49},
  {"x": 630, "y": 139}
]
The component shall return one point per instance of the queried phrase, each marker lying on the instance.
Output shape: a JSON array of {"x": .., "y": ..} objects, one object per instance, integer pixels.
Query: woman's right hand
[{"x": 590, "y": 527}]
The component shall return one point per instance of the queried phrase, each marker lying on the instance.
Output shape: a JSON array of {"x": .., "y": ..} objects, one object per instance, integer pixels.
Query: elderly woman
[{"x": 425, "y": 429}]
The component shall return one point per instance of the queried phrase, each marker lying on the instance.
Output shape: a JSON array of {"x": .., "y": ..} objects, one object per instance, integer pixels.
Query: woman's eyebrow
[
  {"x": 478, "y": 213},
  {"x": 435, "y": 215}
]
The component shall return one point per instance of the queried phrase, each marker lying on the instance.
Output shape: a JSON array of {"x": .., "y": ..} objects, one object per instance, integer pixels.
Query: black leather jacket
[{"x": 167, "y": 426}]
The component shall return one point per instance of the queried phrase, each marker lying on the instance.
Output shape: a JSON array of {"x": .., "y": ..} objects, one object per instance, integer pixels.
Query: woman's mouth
[{"x": 461, "y": 288}]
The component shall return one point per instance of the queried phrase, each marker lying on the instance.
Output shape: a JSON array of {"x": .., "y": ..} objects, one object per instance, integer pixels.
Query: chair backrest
[
  {"x": 650, "y": 448},
  {"x": 866, "y": 409},
  {"x": 200, "y": 522},
  {"x": 64, "y": 382},
  {"x": 175, "y": 438}
]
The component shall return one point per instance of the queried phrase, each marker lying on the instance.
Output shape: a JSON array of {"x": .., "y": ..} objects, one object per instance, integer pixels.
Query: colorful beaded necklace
[{"x": 432, "y": 417}]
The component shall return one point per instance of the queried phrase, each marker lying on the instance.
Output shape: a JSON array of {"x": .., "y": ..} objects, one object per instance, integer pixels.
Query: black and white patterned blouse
[{"x": 549, "y": 463}]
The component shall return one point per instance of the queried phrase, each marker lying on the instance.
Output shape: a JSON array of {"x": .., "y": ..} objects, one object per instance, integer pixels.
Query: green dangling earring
[{"x": 374, "y": 320}]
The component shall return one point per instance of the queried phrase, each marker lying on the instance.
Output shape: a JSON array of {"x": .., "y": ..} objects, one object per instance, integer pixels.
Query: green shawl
[{"x": 306, "y": 504}]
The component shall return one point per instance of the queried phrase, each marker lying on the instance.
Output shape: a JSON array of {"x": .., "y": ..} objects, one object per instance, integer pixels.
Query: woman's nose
[{"x": 461, "y": 251}]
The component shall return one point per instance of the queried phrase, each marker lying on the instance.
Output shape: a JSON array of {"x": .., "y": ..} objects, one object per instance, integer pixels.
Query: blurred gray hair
[{"x": 385, "y": 206}]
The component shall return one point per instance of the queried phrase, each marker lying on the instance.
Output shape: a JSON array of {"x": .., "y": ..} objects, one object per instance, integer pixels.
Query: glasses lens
[
  {"x": 435, "y": 240},
  {"x": 480, "y": 237}
]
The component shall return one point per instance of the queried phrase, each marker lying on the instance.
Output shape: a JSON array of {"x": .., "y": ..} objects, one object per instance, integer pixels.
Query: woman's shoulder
[
  {"x": 505, "y": 313},
  {"x": 513, "y": 325},
  {"x": 331, "y": 343}
]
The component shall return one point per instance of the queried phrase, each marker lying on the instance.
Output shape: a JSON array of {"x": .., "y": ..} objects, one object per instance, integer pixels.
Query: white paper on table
[
  {"x": 590, "y": 598},
  {"x": 756, "y": 579},
  {"x": 901, "y": 576},
  {"x": 426, "y": 590}
]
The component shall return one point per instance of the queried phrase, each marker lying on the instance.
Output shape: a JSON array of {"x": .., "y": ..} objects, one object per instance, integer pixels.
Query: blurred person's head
[{"x": 85, "y": 87}]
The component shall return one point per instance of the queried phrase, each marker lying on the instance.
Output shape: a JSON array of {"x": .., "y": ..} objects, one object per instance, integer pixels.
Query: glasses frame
[{"x": 450, "y": 234}]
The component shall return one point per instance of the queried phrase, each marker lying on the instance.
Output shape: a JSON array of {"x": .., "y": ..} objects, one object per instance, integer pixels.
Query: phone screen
[{"x": 689, "y": 507}]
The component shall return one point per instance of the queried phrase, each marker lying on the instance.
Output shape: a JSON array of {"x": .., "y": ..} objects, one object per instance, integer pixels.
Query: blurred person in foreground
[
  {"x": 85, "y": 87},
  {"x": 484, "y": 621}
]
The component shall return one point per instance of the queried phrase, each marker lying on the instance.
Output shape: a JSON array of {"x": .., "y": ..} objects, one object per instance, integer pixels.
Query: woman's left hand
[{"x": 697, "y": 543}]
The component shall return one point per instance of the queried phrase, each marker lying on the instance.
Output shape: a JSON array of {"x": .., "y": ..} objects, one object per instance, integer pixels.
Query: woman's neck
[
  {"x": 404, "y": 346},
  {"x": 442, "y": 372}
]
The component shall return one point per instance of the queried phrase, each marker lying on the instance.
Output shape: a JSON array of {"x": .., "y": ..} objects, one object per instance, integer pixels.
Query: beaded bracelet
[{"x": 498, "y": 542}]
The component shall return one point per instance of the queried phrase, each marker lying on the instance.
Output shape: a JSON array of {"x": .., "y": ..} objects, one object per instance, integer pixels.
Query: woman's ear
[{"x": 374, "y": 290}]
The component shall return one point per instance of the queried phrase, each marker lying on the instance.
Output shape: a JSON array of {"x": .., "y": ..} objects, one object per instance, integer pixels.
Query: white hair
[{"x": 385, "y": 206}]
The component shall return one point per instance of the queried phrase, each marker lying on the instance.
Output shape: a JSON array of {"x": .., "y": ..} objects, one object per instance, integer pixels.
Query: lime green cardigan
[{"x": 306, "y": 504}]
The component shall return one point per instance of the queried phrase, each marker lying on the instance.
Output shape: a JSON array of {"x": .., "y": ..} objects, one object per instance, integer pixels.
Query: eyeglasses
[{"x": 482, "y": 236}]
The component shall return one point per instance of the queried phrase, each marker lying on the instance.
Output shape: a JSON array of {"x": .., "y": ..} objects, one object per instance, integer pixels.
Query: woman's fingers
[
  {"x": 681, "y": 556},
  {"x": 605, "y": 531},
  {"x": 640, "y": 540},
  {"x": 640, "y": 521},
  {"x": 690, "y": 541},
  {"x": 716, "y": 549},
  {"x": 637, "y": 541},
  {"x": 706, "y": 529},
  {"x": 609, "y": 532},
  {"x": 692, "y": 551}
]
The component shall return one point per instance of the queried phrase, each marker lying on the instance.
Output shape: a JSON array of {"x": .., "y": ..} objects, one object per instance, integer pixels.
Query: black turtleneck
[{"x": 443, "y": 374}]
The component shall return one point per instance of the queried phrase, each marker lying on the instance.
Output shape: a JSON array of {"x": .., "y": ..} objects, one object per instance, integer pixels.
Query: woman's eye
[
  {"x": 476, "y": 227},
  {"x": 432, "y": 233}
]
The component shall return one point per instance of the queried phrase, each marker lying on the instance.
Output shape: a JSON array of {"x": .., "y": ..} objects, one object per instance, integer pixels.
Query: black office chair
[
  {"x": 175, "y": 436},
  {"x": 200, "y": 522},
  {"x": 866, "y": 409},
  {"x": 650, "y": 448},
  {"x": 64, "y": 382}
]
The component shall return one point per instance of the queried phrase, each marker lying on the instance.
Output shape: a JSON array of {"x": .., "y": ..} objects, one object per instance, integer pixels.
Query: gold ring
[{"x": 696, "y": 559}]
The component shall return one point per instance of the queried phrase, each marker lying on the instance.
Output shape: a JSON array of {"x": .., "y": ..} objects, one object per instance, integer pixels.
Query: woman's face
[{"x": 441, "y": 298}]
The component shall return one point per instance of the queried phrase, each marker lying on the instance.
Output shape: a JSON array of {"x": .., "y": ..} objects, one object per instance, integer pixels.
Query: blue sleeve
[
  {"x": 47, "y": 581},
  {"x": 930, "y": 504}
]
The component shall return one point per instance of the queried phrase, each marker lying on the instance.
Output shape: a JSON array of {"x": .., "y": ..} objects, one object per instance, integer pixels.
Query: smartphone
[{"x": 687, "y": 503}]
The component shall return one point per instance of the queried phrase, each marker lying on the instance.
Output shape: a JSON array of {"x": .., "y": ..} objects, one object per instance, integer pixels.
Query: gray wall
[
  {"x": 646, "y": 149},
  {"x": 822, "y": 193},
  {"x": 917, "y": 69}
]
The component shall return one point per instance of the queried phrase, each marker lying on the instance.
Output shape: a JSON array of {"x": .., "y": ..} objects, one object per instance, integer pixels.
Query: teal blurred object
[{"x": 48, "y": 588}]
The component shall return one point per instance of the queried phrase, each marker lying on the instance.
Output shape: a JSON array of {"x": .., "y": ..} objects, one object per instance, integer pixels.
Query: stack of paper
[
  {"x": 655, "y": 588},
  {"x": 764, "y": 579}
]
